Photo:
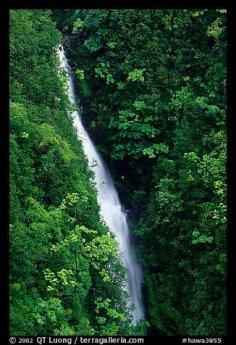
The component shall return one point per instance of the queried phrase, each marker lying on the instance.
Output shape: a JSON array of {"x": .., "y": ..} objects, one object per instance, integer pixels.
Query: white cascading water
[{"x": 111, "y": 209}]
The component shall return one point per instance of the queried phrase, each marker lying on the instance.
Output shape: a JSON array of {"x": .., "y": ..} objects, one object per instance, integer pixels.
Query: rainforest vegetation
[{"x": 152, "y": 89}]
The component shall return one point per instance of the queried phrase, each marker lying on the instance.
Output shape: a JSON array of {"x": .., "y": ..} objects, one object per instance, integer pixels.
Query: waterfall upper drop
[{"x": 111, "y": 210}]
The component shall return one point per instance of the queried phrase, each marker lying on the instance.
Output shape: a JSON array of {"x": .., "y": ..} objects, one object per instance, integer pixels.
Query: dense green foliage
[
  {"x": 153, "y": 84},
  {"x": 66, "y": 276}
]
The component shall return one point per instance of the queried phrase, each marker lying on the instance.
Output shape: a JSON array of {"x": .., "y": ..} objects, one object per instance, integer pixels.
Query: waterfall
[{"x": 111, "y": 209}]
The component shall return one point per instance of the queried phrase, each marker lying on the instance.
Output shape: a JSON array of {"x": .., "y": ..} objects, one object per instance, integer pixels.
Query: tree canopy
[
  {"x": 60, "y": 280},
  {"x": 157, "y": 111},
  {"x": 152, "y": 88}
]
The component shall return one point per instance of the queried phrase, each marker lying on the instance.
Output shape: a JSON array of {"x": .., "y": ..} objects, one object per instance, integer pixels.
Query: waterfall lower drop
[{"x": 111, "y": 210}]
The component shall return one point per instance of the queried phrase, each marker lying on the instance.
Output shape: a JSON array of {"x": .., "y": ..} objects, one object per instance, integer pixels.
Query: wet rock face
[
  {"x": 66, "y": 41},
  {"x": 69, "y": 40}
]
